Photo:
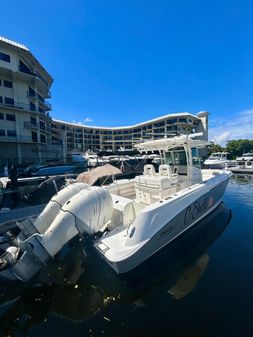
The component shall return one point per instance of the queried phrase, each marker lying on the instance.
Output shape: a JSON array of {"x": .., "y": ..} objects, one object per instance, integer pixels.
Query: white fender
[{"x": 45, "y": 219}]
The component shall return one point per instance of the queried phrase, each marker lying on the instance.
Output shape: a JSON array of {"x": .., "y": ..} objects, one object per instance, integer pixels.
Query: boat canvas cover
[{"x": 90, "y": 177}]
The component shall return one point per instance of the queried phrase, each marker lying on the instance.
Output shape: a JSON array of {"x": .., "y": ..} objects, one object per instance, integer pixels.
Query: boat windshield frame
[{"x": 165, "y": 145}]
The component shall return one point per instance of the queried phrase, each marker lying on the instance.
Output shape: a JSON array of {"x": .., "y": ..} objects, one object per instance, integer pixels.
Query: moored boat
[
  {"x": 129, "y": 220},
  {"x": 243, "y": 164},
  {"x": 217, "y": 160}
]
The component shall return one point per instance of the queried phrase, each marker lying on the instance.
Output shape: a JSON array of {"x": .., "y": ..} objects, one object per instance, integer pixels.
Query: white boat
[
  {"x": 128, "y": 220},
  {"x": 94, "y": 160},
  {"x": 245, "y": 157},
  {"x": 245, "y": 161},
  {"x": 217, "y": 160}
]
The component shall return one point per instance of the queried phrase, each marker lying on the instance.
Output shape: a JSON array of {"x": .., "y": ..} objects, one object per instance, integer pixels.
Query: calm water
[{"x": 202, "y": 285}]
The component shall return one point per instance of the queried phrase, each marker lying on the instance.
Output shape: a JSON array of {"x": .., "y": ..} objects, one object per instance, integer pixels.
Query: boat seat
[
  {"x": 149, "y": 170},
  {"x": 165, "y": 170},
  {"x": 123, "y": 187},
  {"x": 153, "y": 188},
  {"x": 123, "y": 211}
]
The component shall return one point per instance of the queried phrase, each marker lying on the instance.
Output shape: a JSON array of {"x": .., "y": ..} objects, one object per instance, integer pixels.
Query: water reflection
[
  {"x": 242, "y": 178},
  {"x": 189, "y": 280},
  {"x": 240, "y": 189},
  {"x": 86, "y": 287}
]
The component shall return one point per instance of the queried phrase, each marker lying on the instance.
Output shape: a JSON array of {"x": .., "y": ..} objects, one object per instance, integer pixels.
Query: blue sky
[{"x": 122, "y": 62}]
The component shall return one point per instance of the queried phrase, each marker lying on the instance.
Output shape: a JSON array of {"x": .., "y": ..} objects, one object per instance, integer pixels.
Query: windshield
[
  {"x": 176, "y": 156},
  {"x": 215, "y": 155},
  {"x": 195, "y": 157}
]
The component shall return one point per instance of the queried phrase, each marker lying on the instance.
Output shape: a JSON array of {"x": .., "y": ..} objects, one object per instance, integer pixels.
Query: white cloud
[
  {"x": 83, "y": 121},
  {"x": 88, "y": 120},
  {"x": 240, "y": 126}
]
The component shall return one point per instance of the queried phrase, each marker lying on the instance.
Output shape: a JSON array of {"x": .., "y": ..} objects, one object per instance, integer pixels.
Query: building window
[
  {"x": 10, "y": 117},
  {"x": 11, "y": 133},
  {"x": 0, "y": 82},
  {"x": 1, "y": 99},
  {"x": 9, "y": 101},
  {"x": 172, "y": 121},
  {"x": 182, "y": 120},
  {"x": 42, "y": 125},
  {"x": 32, "y": 106},
  {"x": 24, "y": 69},
  {"x": 43, "y": 138},
  {"x": 41, "y": 98},
  {"x": 33, "y": 121},
  {"x": 5, "y": 57},
  {"x": 1, "y": 115},
  {"x": 34, "y": 137},
  {"x": 7, "y": 84},
  {"x": 31, "y": 92},
  {"x": 2, "y": 132}
]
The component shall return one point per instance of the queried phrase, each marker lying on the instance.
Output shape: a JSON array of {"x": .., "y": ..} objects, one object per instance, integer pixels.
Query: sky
[{"x": 118, "y": 62}]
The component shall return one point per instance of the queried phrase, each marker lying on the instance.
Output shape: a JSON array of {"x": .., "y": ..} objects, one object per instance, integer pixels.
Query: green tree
[
  {"x": 215, "y": 148},
  {"x": 239, "y": 146}
]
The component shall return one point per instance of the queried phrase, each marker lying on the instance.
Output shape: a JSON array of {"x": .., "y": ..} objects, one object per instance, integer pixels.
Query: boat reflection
[
  {"x": 189, "y": 280},
  {"x": 242, "y": 178},
  {"x": 174, "y": 271}
]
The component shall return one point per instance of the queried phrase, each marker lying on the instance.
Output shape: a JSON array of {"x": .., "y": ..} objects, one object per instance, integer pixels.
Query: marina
[
  {"x": 209, "y": 285},
  {"x": 133, "y": 219},
  {"x": 126, "y": 169}
]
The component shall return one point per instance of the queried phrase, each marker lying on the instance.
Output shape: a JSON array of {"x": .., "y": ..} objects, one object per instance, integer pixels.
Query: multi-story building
[
  {"x": 29, "y": 134},
  {"x": 81, "y": 138},
  {"x": 26, "y": 133}
]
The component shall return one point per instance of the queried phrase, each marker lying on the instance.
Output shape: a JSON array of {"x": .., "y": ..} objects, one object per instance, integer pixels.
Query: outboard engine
[
  {"x": 88, "y": 211},
  {"x": 44, "y": 220}
]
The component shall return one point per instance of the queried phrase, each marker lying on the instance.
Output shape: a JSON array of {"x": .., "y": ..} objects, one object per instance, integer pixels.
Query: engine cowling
[
  {"x": 89, "y": 210},
  {"x": 86, "y": 212},
  {"x": 53, "y": 207}
]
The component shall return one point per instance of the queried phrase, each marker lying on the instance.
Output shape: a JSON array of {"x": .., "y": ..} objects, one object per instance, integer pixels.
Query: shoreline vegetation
[{"x": 235, "y": 148}]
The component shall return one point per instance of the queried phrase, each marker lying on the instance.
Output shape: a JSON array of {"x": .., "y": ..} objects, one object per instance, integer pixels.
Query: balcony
[
  {"x": 16, "y": 139},
  {"x": 24, "y": 106},
  {"x": 47, "y": 130},
  {"x": 30, "y": 125},
  {"x": 26, "y": 70},
  {"x": 44, "y": 104},
  {"x": 30, "y": 76}
]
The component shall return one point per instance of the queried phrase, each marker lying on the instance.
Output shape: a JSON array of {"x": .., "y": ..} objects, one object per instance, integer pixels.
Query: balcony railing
[
  {"x": 42, "y": 102},
  {"x": 35, "y": 74},
  {"x": 24, "y": 106},
  {"x": 30, "y": 125},
  {"x": 20, "y": 139},
  {"x": 28, "y": 139},
  {"x": 45, "y": 104},
  {"x": 46, "y": 129}
]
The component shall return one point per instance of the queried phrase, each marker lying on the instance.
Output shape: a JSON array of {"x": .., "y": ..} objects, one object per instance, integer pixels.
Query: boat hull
[
  {"x": 216, "y": 164},
  {"x": 196, "y": 209}
]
